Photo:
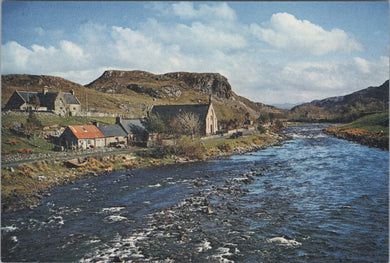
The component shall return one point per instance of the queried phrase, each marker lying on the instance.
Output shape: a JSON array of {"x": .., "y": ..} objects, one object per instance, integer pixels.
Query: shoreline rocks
[{"x": 19, "y": 202}]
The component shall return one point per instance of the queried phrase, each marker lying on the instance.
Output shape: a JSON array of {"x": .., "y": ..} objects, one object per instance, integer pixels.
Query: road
[{"x": 100, "y": 153}]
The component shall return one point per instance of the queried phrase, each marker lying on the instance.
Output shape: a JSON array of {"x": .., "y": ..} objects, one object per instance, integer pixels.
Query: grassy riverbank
[
  {"x": 371, "y": 130},
  {"x": 26, "y": 184}
]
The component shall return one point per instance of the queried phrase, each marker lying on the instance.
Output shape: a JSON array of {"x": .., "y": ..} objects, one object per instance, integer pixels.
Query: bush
[
  {"x": 261, "y": 129},
  {"x": 189, "y": 148},
  {"x": 23, "y": 151},
  {"x": 225, "y": 147},
  {"x": 11, "y": 142},
  {"x": 32, "y": 122}
]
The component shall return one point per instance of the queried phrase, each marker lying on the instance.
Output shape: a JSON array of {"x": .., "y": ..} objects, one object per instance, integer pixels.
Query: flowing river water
[{"x": 313, "y": 199}]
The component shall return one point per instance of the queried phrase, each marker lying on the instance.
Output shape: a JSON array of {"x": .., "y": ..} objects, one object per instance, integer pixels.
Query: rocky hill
[
  {"x": 345, "y": 108},
  {"x": 169, "y": 85},
  {"x": 132, "y": 93},
  {"x": 371, "y": 94},
  {"x": 178, "y": 88}
]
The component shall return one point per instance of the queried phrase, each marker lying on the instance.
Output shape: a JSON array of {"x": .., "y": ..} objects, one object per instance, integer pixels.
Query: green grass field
[
  {"x": 375, "y": 123},
  {"x": 11, "y": 143}
]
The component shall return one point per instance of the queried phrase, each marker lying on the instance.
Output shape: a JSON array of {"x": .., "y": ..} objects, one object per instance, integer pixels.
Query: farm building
[
  {"x": 113, "y": 134},
  {"x": 60, "y": 103},
  {"x": 135, "y": 130},
  {"x": 82, "y": 137}
]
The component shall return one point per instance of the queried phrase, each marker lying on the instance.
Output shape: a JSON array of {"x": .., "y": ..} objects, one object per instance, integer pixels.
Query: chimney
[
  {"x": 44, "y": 90},
  {"x": 72, "y": 92},
  {"x": 96, "y": 123},
  {"x": 118, "y": 120}
]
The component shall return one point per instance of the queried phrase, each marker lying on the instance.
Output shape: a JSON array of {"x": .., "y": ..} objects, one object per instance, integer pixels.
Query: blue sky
[{"x": 271, "y": 52}]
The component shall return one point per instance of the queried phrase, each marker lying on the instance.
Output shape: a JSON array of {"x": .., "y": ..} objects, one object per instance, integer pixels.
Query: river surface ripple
[{"x": 313, "y": 199}]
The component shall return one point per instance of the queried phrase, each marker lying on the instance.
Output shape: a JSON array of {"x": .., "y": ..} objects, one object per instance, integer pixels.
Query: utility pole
[{"x": 86, "y": 105}]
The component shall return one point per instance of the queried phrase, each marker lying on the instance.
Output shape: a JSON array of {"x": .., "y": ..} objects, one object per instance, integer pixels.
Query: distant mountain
[
  {"x": 345, "y": 108},
  {"x": 369, "y": 95},
  {"x": 286, "y": 106}
]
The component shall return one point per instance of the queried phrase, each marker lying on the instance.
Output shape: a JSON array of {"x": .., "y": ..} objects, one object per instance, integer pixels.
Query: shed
[
  {"x": 135, "y": 131},
  {"x": 114, "y": 134}
]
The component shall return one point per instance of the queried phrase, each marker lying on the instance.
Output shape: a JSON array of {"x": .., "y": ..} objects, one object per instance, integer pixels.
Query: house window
[
  {"x": 74, "y": 108},
  {"x": 85, "y": 130}
]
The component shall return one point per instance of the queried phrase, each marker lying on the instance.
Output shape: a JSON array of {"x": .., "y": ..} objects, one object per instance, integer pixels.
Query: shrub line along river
[{"x": 313, "y": 199}]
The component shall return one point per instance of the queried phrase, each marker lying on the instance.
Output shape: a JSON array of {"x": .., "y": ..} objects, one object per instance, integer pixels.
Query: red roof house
[{"x": 82, "y": 136}]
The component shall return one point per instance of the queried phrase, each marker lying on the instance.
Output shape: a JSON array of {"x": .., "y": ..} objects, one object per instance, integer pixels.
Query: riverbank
[
  {"x": 364, "y": 137},
  {"x": 25, "y": 185},
  {"x": 372, "y": 131}
]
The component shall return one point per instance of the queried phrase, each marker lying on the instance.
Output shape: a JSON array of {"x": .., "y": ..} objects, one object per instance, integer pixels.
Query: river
[{"x": 313, "y": 199}]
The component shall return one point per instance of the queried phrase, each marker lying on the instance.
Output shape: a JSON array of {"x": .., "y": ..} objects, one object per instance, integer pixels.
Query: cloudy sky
[{"x": 271, "y": 52}]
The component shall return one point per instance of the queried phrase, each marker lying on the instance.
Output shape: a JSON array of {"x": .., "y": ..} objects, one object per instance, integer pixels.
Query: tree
[
  {"x": 187, "y": 124},
  {"x": 34, "y": 101},
  {"x": 154, "y": 124},
  {"x": 33, "y": 124}
]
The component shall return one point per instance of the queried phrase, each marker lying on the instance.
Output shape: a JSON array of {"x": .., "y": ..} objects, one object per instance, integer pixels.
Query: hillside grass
[
  {"x": 226, "y": 147},
  {"x": 374, "y": 123},
  {"x": 18, "y": 144},
  {"x": 8, "y": 120},
  {"x": 371, "y": 130}
]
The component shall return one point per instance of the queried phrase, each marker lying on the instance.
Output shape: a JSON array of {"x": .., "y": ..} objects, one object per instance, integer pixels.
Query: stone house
[
  {"x": 135, "y": 131},
  {"x": 82, "y": 137},
  {"x": 205, "y": 112},
  {"x": 113, "y": 134},
  {"x": 58, "y": 102}
]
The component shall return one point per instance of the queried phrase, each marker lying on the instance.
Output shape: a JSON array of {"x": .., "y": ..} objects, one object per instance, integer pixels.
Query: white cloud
[
  {"x": 362, "y": 65},
  {"x": 203, "y": 44},
  {"x": 71, "y": 49},
  {"x": 40, "y": 60},
  {"x": 196, "y": 37},
  {"x": 14, "y": 57},
  {"x": 287, "y": 33},
  {"x": 307, "y": 81},
  {"x": 215, "y": 12},
  {"x": 184, "y": 10}
]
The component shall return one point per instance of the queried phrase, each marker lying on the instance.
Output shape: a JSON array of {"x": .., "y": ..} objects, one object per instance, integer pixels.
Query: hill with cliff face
[
  {"x": 178, "y": 88},
  {"x": 345, "y": 108},
  {"x": 169, "y": 85},
  {"x": 132, "y": 93}
]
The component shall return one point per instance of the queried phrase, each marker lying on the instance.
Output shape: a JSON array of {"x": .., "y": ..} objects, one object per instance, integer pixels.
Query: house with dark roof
[
  {"x": 114, "y": 134},
  {"x": 59, "y": 102},
  {"x": 82, "y": 137},
  {"x": 135, "y": 131},
  {"x": 205, "y": 112}
]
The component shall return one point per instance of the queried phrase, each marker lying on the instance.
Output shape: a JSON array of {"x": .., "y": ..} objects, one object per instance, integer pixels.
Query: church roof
[{"x": 171, "y": 111}]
